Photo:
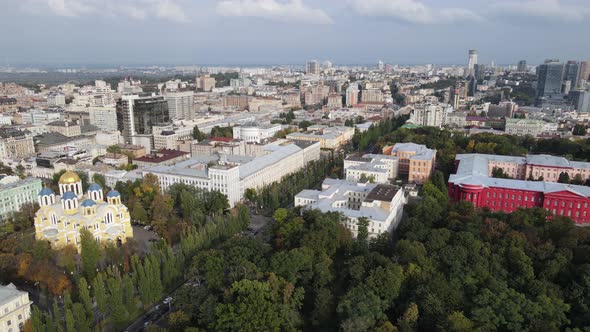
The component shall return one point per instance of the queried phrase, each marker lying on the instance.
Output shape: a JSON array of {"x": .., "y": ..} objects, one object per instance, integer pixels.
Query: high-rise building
[
  {"x": 521, "y": 68},
  {"x": 572, "y": 69},
  {"x": 205, "y": 83},
  {"x": 479, "y": 71},
  {"x": 180, "y": 105},
  {"x": 372, "y": 96},
  {"x": 388, "y": 68},
  {"x": 313, "y": 67},
  {"x": 380, "y": 65},
  {"x": 550, "y": 76},
  {"x": 581, "y": 100},
  {"x": 472, "y": 61},
  {"x": 136, "y": 114},
  {"x": 584, "y": 74},
  {"x": 352, "y": 95}
]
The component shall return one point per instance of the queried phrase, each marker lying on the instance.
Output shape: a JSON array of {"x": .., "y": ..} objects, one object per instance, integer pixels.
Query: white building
[
  {"x": 523, "y": 127},
  {"x": 372, "y": 96},
  {"x": 373, "y": 167},
  {"x": 15, "y": 308},
  {"x": 329, "y": 137},
  {"x": 167, "y": 137},
  {"x": 233, "y": 174},
  {"x": 14, "y": 193},
  {"x": 56, "y": 99},
  {"x": 104, "y": 118},
  {"x": 254, "y": 133},
  {"x": 430, "y": 114},
  {"x": 381, "y": 204},
  {"x": 180, "y": 105}
]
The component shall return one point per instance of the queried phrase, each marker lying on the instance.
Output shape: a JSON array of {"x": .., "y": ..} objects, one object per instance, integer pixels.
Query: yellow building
[
  {"x": 60, "y": 218},
  {"x": 417, "y": 161}
]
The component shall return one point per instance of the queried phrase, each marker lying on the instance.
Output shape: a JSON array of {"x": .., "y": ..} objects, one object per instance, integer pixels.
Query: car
[
  {"x": 147, "y": 323},
  {"x": 147, "y": 227},
  {"x": 167, "y": 300}
]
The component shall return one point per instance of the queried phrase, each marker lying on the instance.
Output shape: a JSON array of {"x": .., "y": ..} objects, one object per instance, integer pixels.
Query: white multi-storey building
[
  {"x": 104, "y": 118},
  {"x": 56, "y": 99},
  {"x": 430, "y": 114},
  {"x": 15, "y": 308},
  {"x": 524, "y": 127},
  {"x": 233, "y": 174},
  {"x": 254, "y": 133},
  {"x": 381, "y": 204},
  {"x": 180, "y": 105},
  {"x": 373, "y": 167},
  {"x": 167, "y": 137}
]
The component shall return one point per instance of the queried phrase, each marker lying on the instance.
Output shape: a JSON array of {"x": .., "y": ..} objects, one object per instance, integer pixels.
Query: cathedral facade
[{"x": 61, "y": 218}]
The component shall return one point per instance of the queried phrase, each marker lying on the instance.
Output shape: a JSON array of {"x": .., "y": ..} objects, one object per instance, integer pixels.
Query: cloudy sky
[{"x": 291, "y": 31}]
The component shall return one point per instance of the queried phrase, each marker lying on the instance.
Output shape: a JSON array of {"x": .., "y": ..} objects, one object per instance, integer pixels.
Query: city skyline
[{"x": 248, "y": 32}]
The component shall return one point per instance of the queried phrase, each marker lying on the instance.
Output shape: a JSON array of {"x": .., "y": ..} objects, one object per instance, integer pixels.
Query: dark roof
[
  {"x": 89, "y": 128},
  {"x": 6, "y": 132},
  {"x": 382, "y": 192},
  {"x": 7, "y": 101},
  {"x": 303, "y": 144},
  {"x": 51, "y": 138},
  {"x": 61, "y": 123},
  {"x": 161, "y": 156},
  {"x": 357, "y": 158}
]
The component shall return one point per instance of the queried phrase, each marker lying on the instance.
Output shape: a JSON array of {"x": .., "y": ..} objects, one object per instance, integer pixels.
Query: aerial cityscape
[{"x": 293, "y": 165}]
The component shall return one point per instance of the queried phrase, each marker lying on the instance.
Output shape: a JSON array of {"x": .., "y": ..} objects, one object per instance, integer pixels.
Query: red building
[{"x": 471, "y": 183}]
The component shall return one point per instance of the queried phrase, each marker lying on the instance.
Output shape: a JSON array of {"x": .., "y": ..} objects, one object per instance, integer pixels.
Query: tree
[
  {"x": 457, "y": 322},
  {"x": 362, "y": 237},
  {"x": 304, "y": 124},
  {"x": 579, "y": 130},
  {"x": 100, "y": 180},
  {"x": 100, "y": 293},
  {"x": 564, "y": 177},
  {"x": 280, "y": 215},
  {"x": 198, "y": 135},
  {"x": 253, "y": 305},
  {"x": 84, "y": 293},
  {"x": 178, "y": 319},
  {"x": 498, "y": 172},
  {"x": 114, "y": 149},
  {"x": 90, "y": 253}
]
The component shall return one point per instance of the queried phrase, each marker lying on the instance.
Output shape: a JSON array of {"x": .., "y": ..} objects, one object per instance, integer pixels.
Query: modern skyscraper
[
  {"x": 521, "y": 68},
  {"x": 380, "y": 65},
  {"x": 584, "y": 74},
  {"x": 581, "y": 100},
  {"x": 572, "y": 70},
  {"x": 550, "y": 76},
  {"x": 472, "y": 61},
  {"x": 479, "y": 71},
  {"x": 136, "y": 114},
  {"x": 313, "y": 67}
]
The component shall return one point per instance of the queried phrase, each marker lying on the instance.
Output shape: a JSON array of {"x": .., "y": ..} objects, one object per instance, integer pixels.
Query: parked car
[{"x": 167, "y": 300}]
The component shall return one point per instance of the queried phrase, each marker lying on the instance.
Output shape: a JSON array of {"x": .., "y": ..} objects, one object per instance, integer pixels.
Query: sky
[{"x": 249, "y": 32}]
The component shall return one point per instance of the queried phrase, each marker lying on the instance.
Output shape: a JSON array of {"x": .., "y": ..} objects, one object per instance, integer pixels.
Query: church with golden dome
[{"x": 60, "y": 218}]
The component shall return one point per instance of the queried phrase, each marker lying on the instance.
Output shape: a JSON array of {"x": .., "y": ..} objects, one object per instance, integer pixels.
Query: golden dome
[{"x": 69, "y": 177}]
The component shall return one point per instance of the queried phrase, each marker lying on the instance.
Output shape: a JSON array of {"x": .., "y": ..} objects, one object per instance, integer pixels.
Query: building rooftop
[
  {"x": 161, "y": 156},
  {"x": 9, "y": 293},
  {"x": 382, "y": 192},
  {"x": 473, "y": 170}
]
